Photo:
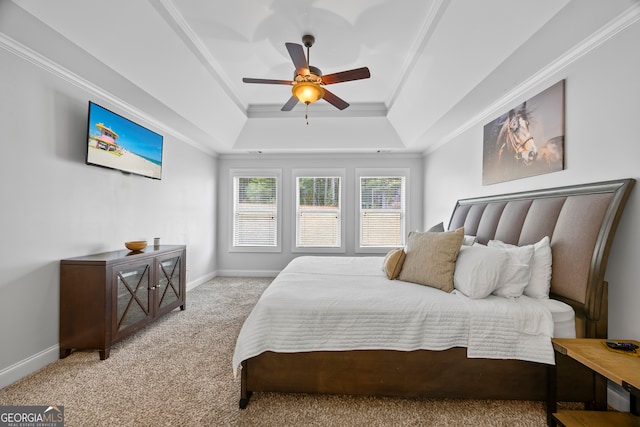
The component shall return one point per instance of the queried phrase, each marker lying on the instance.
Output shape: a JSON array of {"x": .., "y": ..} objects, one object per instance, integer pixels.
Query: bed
[{"x": 278, "y": 351}]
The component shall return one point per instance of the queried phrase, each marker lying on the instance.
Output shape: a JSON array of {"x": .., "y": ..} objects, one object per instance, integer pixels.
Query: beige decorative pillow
[
  {"x": 393, "y": 263},
  {"x": 431, "y": 258}
]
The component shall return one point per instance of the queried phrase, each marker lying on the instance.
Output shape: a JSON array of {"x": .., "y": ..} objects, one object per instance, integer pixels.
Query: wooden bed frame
[{"x": 580, "y": 220}]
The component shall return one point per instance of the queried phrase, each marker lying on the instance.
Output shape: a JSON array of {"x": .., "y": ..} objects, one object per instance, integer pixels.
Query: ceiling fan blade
[
  {"x": 345, "y": 76},
  {"x": 267, "y": 81},
  {"x": 297, "y": 56},
  {"x": 290, "y": 104},
  {"x": 339, "y": 103}
]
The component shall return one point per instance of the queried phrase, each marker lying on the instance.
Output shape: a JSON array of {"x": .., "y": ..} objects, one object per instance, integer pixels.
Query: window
[
  {"x": 318, "y": 209},
  {"x": 256, "y": 210},
  {"x": 382, "y": 208}
]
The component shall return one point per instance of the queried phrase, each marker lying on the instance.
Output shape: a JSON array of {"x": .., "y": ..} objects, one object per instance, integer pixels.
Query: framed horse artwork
[{"x": 527, "y": 140}]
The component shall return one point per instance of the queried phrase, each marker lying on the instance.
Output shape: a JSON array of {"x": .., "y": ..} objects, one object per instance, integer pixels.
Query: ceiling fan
[{"x": 308, "y": 80}]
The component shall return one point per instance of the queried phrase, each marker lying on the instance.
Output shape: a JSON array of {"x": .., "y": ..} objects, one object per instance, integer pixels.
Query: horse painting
[
  {"x": 526, "y": 140},
  {"x": 515, "y": 143},
  {"x": 551, "y": 152}
]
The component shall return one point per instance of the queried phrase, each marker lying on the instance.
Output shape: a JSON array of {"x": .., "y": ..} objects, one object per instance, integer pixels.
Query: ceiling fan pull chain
[{"x": 306, "y": 114}]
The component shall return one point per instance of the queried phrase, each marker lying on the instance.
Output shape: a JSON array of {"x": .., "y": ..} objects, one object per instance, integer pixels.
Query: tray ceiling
[{"x": 433, "y": 63}]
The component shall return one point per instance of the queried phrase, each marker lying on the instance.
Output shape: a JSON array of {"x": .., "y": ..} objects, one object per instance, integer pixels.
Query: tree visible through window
[
  {"x": 255, "y": 211},
  {"x": 382, "y": 211},
  {"x": 318, "y": 222}
]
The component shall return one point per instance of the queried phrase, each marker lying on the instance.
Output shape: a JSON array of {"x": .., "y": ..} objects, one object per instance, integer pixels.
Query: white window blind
[
  {"x": 318, "y": 212},
  {"x": 382, "y": 211},
  {"x": 255, "y": 211}
]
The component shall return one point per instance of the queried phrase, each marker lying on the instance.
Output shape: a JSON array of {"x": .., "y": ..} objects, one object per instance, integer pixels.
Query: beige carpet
[{"x": 177, "y": 372}]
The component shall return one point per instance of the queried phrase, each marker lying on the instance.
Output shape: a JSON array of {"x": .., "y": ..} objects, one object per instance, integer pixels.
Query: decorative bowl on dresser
[
  {"x": 108, "y": 296},
  {"x": 136, "y": 245}
]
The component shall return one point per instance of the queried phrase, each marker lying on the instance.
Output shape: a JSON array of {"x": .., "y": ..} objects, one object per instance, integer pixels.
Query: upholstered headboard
[{"x": 580, "y": 220}]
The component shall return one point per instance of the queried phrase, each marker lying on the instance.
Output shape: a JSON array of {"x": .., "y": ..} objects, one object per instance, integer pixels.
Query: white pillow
[
  {"x": 478, "y": 270},
  {"x": 540, "y": 280},
  {"x": 469, "y": 240},
  {"x": 517, "y": 271}
]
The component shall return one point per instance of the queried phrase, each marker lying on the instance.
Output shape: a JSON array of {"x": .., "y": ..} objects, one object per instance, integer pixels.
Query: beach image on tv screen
[{"x": 119, "y": 143}]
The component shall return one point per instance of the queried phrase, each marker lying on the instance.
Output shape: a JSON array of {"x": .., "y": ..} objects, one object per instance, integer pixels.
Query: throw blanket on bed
[{"x": 347, "y": 303}]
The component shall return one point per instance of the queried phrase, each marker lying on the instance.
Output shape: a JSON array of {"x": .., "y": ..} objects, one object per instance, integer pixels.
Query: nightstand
[{"x": 622, "y": 369}]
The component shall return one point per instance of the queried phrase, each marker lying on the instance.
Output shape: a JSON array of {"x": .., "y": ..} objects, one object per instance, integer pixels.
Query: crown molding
[
  {"x": 624, "y": 20},
  {"x": 174, "y": 18},
  {"x": 362, "y": 109},
  {"x": 52, "y": 67},
  {"x": 319, "y": 155},
  {"x": 429, "y": 25}
]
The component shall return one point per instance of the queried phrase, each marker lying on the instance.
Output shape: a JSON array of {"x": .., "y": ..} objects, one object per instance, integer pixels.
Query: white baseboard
[
  {"x": 25, "y": 367},
  {"x": 248, "y": 273},
  {"x": 231, "y": 273},
  {"x": 195, "y": 283},
  {"x": 618, "y": 398}
]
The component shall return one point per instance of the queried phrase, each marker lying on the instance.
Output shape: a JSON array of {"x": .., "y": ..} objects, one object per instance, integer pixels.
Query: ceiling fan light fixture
[
  {"x": 308, "y": 80},
  {"x": 307, "y": 92}
]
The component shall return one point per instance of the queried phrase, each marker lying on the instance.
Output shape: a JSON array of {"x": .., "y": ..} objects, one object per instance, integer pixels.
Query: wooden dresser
[{"x": 108, "y": 296}]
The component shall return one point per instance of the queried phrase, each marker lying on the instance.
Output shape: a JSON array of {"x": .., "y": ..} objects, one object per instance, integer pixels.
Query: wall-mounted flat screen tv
[{"x": 118, "y": 143}]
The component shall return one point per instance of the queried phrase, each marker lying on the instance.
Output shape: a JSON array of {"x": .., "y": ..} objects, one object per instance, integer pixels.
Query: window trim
[
  {"x": 317, "y": 172},
  {"x": 380, "y": 172},
  {"x": 256, "y": 173}
]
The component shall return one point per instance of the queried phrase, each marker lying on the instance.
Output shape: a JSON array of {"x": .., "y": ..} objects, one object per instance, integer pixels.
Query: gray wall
[
  {"x": 601, "y": 143},
  {"x": 270, "y": 263},
  {"x": 54, "y": 206}
]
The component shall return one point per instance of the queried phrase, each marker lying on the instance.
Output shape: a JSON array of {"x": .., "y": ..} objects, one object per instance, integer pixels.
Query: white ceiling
[{"x": 428, "y": 58}]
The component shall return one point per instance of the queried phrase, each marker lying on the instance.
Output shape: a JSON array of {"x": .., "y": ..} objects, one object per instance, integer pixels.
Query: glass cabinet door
[
  {"x": 133, "y": 288},
  {"x": 169, "y": 286}
]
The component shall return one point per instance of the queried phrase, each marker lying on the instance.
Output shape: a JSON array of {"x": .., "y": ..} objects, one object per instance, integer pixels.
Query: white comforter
[{"x": 347, "y": 303}]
